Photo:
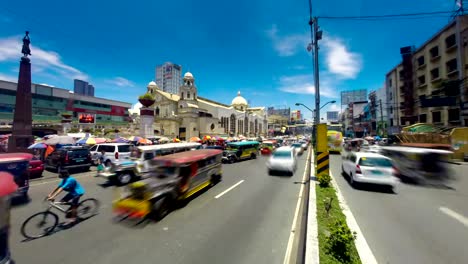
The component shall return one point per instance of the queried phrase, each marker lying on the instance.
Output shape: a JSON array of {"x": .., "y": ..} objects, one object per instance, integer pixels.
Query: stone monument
[
  {"x": 22, "y": 137},
  {"x": 146, "y": 115}
]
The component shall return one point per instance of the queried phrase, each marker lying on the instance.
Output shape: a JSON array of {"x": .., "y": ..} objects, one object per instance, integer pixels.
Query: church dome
[
  {"x": 188, "y": 75},
  {"x": 239, "y": 100},
  {"x": 152, "y": 83}
]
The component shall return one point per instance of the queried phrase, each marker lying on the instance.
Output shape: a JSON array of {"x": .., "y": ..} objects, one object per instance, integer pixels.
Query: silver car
[{"x": 282, "y": 160}]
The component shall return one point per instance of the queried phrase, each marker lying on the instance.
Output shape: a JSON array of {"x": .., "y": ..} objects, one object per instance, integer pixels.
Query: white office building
[{"x": 169, "y": 77}]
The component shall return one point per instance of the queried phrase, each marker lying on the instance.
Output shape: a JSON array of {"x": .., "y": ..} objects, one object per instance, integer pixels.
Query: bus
[{"x": 335, "y": 138}]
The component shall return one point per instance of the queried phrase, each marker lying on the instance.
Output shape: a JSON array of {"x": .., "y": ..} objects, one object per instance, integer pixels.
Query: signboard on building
[
  {"x": 348, "y": 97},
  {"x": 84, "y": 118}
]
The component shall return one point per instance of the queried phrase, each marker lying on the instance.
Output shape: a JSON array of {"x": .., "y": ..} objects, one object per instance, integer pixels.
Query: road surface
[
  {"x": 248, "y": 224},
  {"x": 420, "y": 224}
]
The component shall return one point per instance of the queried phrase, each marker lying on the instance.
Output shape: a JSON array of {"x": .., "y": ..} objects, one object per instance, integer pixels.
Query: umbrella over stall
[
  {"x": 194, "y": 139},
  {"x": 39, "y": 145},
  {"x": 62, "y": 140},
  {"x": 91, "y": 141}
]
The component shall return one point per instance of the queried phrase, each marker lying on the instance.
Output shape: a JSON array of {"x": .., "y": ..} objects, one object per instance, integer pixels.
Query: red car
[{"x": 36, "y": 167}]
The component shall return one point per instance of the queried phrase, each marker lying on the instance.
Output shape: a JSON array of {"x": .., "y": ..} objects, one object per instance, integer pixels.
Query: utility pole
[
  {"x": 381, "y": 118},
  {"x": 317, "y": 35}
]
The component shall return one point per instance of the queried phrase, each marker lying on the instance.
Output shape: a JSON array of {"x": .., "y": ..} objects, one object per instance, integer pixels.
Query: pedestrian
[{"x": 101, "y": 162}]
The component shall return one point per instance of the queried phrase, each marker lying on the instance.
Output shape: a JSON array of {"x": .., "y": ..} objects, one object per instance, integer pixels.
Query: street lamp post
[{"x": 313, "y": 111}]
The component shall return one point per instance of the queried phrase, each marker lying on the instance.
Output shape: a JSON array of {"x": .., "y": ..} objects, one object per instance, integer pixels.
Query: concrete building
[
  {"x": 278, "y": 120},
  {"x": 169, "y": 77},
  {"x": 381, "y": 117},
  {"x": 185, "y": 115},
  {"x": 48, "y": 104},
  {"x": 429, "y": 85},
  {"x": 332, "y": 115},
  {"x": 83, "y": 88}
]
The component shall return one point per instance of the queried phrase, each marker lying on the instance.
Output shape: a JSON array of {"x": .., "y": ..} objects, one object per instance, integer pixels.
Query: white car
[
  {"x": 365, "y": 167},
  {"x": 283, "y": 159},
  {"x": 113, "y": 152}
]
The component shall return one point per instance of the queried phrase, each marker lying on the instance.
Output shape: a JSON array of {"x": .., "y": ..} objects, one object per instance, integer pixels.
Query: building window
[
  {"x": 182, "y": 96},
  {"x": 391, "y": 109},
  {"x": 232, "y": 124},
  {"x": 157, "y": 111},
  {"x": 434, "y": 73},
  {"x": 422, "y": 118},
  {"x": 390, "y": 82},
  {"x": 391, "y": 121},
  {"x": 454, "y": 114},
  {"x": 256, "y": 126},
  {"x": 401, "y": 74},
  {"x": 436, "y": 117},
  {"x": 188, "y": 95},
  {"x": 434, "y": 52},
  {"x": 451, "y": 65},
  {"x": 421, "y": 60},
  {"x": 450, "y": 41},
  {"x": 422, "y": 80},
  {"x": 391, "y": 96}
]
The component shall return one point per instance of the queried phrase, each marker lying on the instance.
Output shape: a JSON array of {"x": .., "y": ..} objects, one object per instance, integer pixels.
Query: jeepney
[
  {"x": 174, "y": 177},
  {"x": 267, "y": 147},
  {"x": 7, "y": 188},
  {"x": 237, "y": 151},
  {"x": 128, "y": 170},
  {"x": 18, "y": 165}
]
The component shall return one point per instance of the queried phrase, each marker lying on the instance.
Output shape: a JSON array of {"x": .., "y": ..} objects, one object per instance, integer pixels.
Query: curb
[
  {"x": 312, "y": 243},
  {"x": 364, "y": 251}
]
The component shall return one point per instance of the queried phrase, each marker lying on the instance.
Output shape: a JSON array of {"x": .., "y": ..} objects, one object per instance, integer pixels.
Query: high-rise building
[
  {"x": 83, "y": 88},
  {"x": 90, "y": 90},
  {"x": 169, "y": 77},
  {"x": 332, "y": 115}
]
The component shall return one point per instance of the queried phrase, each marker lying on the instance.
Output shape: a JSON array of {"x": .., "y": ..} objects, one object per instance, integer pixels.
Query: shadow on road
[
  {"x": 61, "y": 227},
  {"x": 368, "y": 187}
]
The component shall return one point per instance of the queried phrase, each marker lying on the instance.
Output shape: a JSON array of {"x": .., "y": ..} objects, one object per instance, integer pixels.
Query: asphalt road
[
  {"x": 420, "y": 224},
  {"x": 249, "y": 224}
]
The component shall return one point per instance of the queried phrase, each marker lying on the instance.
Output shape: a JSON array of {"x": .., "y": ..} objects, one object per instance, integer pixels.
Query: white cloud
[
  {"x": 121, "y": 82},
  {"x": 340, "y": 61},
  {"x": 334, "y": 107},
  {"x": 287, "y": 45},
  {"x": 304, "y": 84},
  {"x": 10, "y": 50},
  {"x": 9, "y": 78}
]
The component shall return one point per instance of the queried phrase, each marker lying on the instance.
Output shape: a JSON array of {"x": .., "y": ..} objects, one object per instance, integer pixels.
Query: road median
[{"x": 336, "y": 239}]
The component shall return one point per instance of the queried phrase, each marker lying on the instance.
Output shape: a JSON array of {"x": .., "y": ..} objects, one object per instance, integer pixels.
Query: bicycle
[{"x": 47, "y": 220}]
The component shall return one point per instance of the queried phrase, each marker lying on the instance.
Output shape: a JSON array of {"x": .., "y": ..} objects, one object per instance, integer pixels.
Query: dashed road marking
[
  {"x": 460, "y": 218},
  {"x": 230, "y": 188}
]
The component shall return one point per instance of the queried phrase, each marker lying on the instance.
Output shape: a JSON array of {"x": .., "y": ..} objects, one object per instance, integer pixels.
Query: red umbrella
[{"x": 7, "y": 184}]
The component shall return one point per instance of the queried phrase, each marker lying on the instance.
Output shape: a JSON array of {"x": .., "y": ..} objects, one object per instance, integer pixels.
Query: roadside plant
[
  {"x": 324, "y": 180},
  {"x": 339, "y": 242}
]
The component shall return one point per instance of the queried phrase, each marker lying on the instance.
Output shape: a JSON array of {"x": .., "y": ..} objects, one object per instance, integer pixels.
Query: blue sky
[{"x": 257, "y": 47}]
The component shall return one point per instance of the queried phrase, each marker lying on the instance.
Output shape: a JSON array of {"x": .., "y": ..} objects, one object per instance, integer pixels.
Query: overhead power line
[{"x": 388, "y": 16}]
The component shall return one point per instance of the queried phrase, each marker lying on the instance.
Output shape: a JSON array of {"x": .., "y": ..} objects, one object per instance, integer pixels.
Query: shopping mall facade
[{"x": 49, "y": 103}]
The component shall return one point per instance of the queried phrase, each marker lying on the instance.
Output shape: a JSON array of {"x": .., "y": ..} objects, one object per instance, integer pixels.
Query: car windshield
[
  {"x": 297, "y": 145},
  {"x": 282, "y": 154},
  {"x": 375, "y": 162}
]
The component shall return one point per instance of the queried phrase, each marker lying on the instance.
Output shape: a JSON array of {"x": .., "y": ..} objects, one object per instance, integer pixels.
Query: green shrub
[
  {"x": 324, "y": 180},
  {"x": 146, "y": 96},
  {"x": 340, "y": 241}
]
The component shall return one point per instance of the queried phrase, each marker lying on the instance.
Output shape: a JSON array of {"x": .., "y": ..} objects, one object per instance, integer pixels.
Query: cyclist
[{"x": 74, "y": 189}]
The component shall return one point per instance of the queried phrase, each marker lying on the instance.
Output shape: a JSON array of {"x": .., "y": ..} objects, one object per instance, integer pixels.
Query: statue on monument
[{"x": 26, "y": 41}]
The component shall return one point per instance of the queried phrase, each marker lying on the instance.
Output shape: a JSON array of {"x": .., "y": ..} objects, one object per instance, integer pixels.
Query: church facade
[{"x": 185, "y": 115}]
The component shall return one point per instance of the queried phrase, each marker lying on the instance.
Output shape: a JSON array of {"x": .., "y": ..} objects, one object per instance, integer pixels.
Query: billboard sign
[
  {"x": 348, "y": 97},
  {"x": 84, "y": 118}
]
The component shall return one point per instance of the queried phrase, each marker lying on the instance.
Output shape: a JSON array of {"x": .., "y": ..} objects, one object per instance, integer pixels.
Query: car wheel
[
  {"x": 351, "y": 180},
  {"x": 124, "y": 178},
  {"x": 162, "y": 207},
  {"x": 342, "y": 170},
  {"x": 253, "y": 156},
  {"x": 270, "y": 172},
  {"x": 232, "y": 159}
]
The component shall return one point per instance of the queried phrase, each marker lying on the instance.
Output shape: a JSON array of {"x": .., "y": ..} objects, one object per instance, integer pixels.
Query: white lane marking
[
  {"x": 312, "y": 255},
  {"x": 287, "y": 256},
  {"x": 230, "y": 188},
  {"x": 46, "y": 182},
  {"x": 365, "y": 252},
  {"x": 454, "y": 215}
]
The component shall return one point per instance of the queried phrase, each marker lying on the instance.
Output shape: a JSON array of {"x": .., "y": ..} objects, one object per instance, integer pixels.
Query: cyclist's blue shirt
[{"x": 72, "y": 186}]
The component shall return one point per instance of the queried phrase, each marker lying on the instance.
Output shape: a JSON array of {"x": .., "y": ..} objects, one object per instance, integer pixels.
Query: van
[{"x": 114, "y": 152}]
